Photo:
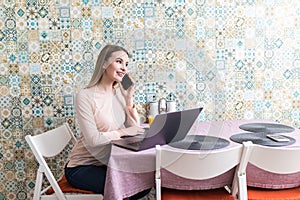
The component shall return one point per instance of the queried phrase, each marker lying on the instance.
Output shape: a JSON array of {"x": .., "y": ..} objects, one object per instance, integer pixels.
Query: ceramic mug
[
  {"x": 153, "y": 108},
  {"x": 171, "y": 106}
]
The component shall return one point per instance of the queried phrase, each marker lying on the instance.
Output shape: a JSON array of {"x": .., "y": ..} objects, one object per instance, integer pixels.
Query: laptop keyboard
[
  {"x": 135, "y": 143},
  {"x": 133, "y": 139}
]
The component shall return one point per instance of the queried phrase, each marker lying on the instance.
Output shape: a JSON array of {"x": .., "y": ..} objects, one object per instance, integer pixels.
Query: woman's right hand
[{"x": 131, "y": 131}]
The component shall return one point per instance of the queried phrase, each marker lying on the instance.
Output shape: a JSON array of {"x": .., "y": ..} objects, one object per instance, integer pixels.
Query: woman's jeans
[{"x": 91, "y": 177}]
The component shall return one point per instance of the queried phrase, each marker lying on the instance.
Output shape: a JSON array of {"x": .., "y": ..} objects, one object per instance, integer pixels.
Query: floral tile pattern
[{"x": 240, "y": 59}]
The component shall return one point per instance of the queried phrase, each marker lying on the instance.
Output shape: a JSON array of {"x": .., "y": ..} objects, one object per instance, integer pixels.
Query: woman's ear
[{"x": 105, "y": 65}]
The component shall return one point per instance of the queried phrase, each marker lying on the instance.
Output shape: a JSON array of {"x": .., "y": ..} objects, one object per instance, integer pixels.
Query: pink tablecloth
[{"x": 131, "y": 172}]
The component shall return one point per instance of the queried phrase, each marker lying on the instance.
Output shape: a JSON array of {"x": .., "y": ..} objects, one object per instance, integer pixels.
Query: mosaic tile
[{"x": 48, "y": 53}]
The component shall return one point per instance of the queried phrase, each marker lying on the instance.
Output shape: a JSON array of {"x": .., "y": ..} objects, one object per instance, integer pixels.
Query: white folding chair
[
  {"x": 196, "y": 165},
  {"x": 50, "y": 144},
  {"x": 280, "y": 160}
]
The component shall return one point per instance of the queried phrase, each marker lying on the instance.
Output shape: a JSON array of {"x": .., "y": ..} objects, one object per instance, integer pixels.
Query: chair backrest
[
  {"x": 198, "y": 165},
  {"x": 280, "y": 160},
  {"x": 49, "y": 144},
  {"x": 52, "y": 142}
]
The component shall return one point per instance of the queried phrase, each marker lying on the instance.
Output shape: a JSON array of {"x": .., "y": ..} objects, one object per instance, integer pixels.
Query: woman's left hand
[{"x": 127, "y": 94}]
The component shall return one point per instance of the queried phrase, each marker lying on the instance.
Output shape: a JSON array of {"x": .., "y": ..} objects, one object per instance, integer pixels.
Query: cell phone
[
  {"x": 278, "y": 138},
  {"x": 126, "y": 82}
]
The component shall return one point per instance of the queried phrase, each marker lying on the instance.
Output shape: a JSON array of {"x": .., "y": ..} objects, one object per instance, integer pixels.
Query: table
[{"x": 131, "y": 172}]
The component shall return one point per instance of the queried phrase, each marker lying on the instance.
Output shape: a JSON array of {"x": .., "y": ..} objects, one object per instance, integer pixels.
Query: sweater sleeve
[
  {"x": 89, "y": 131},
  {"x": 132, "y": 116}
]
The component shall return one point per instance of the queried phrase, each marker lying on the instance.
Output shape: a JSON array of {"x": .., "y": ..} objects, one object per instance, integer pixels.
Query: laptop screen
[{"x": 170, "y": 127}]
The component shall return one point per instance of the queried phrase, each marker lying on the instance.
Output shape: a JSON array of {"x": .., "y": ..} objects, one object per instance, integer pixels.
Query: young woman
[{"x": 105, "y": 112}]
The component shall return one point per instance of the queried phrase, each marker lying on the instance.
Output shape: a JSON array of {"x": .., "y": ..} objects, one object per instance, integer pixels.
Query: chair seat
[
  {"x": 67, "y": 188},
  {"x": 213, "y": 194},
  {"x": 273, "y": 194}
]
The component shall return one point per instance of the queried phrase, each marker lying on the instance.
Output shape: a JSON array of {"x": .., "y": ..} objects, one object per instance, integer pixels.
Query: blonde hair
[{"x": 103, "y": 56}]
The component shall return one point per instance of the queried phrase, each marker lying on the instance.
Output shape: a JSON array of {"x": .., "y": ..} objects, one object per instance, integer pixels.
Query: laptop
[{"x": 166, "y": 128}]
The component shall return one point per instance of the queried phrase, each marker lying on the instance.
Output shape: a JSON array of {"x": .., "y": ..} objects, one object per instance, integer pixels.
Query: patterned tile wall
[{"x": 240, "y": 59}]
